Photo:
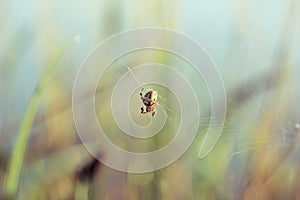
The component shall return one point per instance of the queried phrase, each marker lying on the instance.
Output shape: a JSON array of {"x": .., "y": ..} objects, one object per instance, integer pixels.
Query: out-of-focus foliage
[{"x": 255, "y": 45}]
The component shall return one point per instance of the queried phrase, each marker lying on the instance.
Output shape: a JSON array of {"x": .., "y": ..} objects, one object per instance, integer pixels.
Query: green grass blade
[{"x": 18, "y": 152}]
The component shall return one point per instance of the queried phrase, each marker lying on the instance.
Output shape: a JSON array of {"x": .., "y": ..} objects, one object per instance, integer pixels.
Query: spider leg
[
  {"x": 141, "y": 94},
  {"x": 153, "y": 113},
  {"x": 144, "y": 110}
]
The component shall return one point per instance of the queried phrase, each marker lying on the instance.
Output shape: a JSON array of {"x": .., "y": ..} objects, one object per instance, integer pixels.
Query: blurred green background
[{"x": 255, "y": 45}]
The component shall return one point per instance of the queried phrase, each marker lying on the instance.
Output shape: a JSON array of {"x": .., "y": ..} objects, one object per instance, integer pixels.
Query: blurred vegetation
[{"x": 255, "y": 45}]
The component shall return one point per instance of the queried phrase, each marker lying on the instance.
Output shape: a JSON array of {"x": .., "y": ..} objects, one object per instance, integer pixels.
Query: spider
[{"x": 149, "y": 100}]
